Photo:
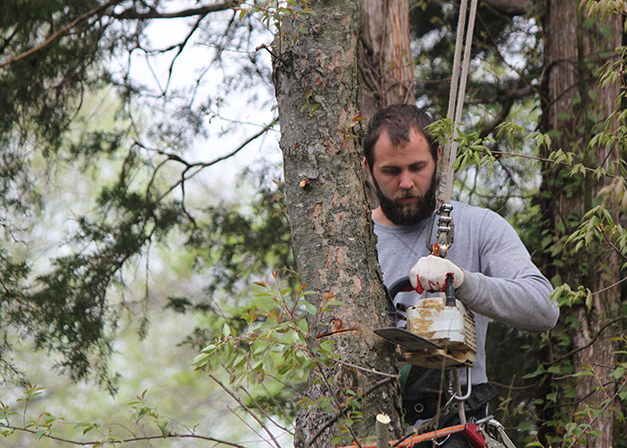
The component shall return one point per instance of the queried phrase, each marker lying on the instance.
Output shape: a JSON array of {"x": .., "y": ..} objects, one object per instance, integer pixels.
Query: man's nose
[{"x": 405, "y": 181}]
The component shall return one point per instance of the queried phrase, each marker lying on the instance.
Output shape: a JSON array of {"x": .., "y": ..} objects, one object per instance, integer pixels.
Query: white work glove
[{"x": 430, "y": 274}]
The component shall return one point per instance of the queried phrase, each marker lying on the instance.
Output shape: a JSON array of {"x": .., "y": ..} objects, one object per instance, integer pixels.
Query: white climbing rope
[{"x": 456, "y": 96}]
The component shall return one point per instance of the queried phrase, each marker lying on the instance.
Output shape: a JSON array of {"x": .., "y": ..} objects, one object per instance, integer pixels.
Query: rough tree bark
[
  {"x": 316, "y": 82},
  {"x": 386, "y": 63},
  {"x": 575, "y": 48}
]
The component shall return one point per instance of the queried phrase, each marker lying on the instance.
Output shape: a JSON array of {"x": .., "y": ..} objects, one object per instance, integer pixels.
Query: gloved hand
[{"x": 430, "y": 274}]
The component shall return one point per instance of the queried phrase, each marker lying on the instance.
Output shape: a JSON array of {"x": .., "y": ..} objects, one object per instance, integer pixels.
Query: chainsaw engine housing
[{"x": 452, "y": 327}]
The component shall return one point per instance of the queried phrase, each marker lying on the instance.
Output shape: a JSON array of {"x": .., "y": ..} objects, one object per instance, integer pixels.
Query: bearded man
[{"x": 491, "y": 269}]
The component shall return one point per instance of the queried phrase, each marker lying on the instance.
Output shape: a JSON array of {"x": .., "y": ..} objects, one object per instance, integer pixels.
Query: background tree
[
  {"x": 48, "y": 68},
  {"x": 386, "y": 64},
  {"x": 576, "y": 108}
]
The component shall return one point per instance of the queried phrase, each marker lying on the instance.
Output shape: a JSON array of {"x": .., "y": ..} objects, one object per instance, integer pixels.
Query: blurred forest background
[{"x": 142, "y": 212}]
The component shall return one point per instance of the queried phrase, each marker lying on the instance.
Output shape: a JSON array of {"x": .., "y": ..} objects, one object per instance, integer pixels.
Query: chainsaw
[{"x": 440, "y": 330}]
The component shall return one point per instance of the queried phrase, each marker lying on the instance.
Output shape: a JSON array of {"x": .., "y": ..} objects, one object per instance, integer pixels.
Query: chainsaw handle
[{"x": 403, "y": 284}]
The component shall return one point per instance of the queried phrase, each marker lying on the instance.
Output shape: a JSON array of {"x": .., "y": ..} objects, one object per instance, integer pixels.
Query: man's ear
[
  {"x": 439, "y": 154},
  {"x": 367, "y": 166}
]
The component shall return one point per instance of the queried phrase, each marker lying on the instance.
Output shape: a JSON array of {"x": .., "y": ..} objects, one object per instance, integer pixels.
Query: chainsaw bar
[{"x": 406, "y": 339}]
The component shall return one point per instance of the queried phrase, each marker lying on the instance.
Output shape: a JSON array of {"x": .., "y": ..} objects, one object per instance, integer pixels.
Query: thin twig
[
  {"x": 265, "y": 414},
  {"x": 609, "y": 401},
  {"x": 541, "y": 159},
  {"x": 120, "y": 441},
  {"x": 195, "y": 168},
  {"x": 252, "y": 414},
  {"x": 610, "y": 323},
  {"x": 611, "y": 286},
  {"x": 241, "y": 419},
  {"x": 133, "y": 14},
  {"x": 389, "y": 375},
  {"x": 341, "y": 408},
  {"x": 337, "y": 415}
]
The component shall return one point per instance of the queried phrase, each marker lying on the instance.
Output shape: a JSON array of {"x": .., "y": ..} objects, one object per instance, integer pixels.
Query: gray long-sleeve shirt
[{"x": 501, "y": 282}]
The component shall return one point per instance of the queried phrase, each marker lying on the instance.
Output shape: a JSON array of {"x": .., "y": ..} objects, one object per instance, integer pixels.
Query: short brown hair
[{"x": 397, "y": 120}]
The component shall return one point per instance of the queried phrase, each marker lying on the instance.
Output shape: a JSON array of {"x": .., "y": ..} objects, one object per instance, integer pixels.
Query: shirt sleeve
[{"x": 509, "y": 288}]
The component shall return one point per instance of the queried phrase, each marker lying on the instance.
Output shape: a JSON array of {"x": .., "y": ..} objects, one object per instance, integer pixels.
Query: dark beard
[{"x": 408, "y": 216}]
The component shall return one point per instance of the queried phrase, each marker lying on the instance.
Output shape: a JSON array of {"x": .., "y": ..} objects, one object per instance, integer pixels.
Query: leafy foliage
[
  {"x": 56, "y": 61},
  {"x": 279, "y": 350}
]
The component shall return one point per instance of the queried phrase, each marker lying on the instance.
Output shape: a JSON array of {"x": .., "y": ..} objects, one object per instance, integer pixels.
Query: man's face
[{"x": 405, "y": 179}]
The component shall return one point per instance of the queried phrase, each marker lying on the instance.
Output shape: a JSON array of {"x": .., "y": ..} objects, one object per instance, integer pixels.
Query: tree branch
[
  {"x": 504, "y": 154},
  {"x": 515, "y": 7},
  {"x": 59, "y": 33},
  {"x": 572, "y": 352},
  {"x": 127, "y": 14},
  {"x": 120, "y": 441},
  {"x": 337, "y": 415},
  {"x": 133, "y": 14},
  {"x": 250, "y": 412},
  {"x": 603, "y": 410},
  {"x": 507, "y": 107},
  {"x": 194, "y": 168},
  {"x": 265, "y": 414}
]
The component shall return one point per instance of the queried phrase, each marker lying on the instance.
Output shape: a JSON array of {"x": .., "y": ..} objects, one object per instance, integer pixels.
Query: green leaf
[
  {"x": 240, "y": 361},
  {"x": 555, "y": 369},
  {"x": 200, "y": 361},
  {"x": 310, "y": 308},
  {"x": 88, "y": 427},
  {"x": 163, "y": 426},
  {"x": 538, "y": 372},
  {"x": 525, "y": 426},
  {"x": 209, "y": 349},
  {"x": 284, "y": 368}
]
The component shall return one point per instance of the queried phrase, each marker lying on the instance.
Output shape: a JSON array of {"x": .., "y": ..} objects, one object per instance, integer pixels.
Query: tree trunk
[
  {"x": 386, "y": 64},
  {"x": 317, "y": 89},
  {"x": 573, "y": 107}
]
